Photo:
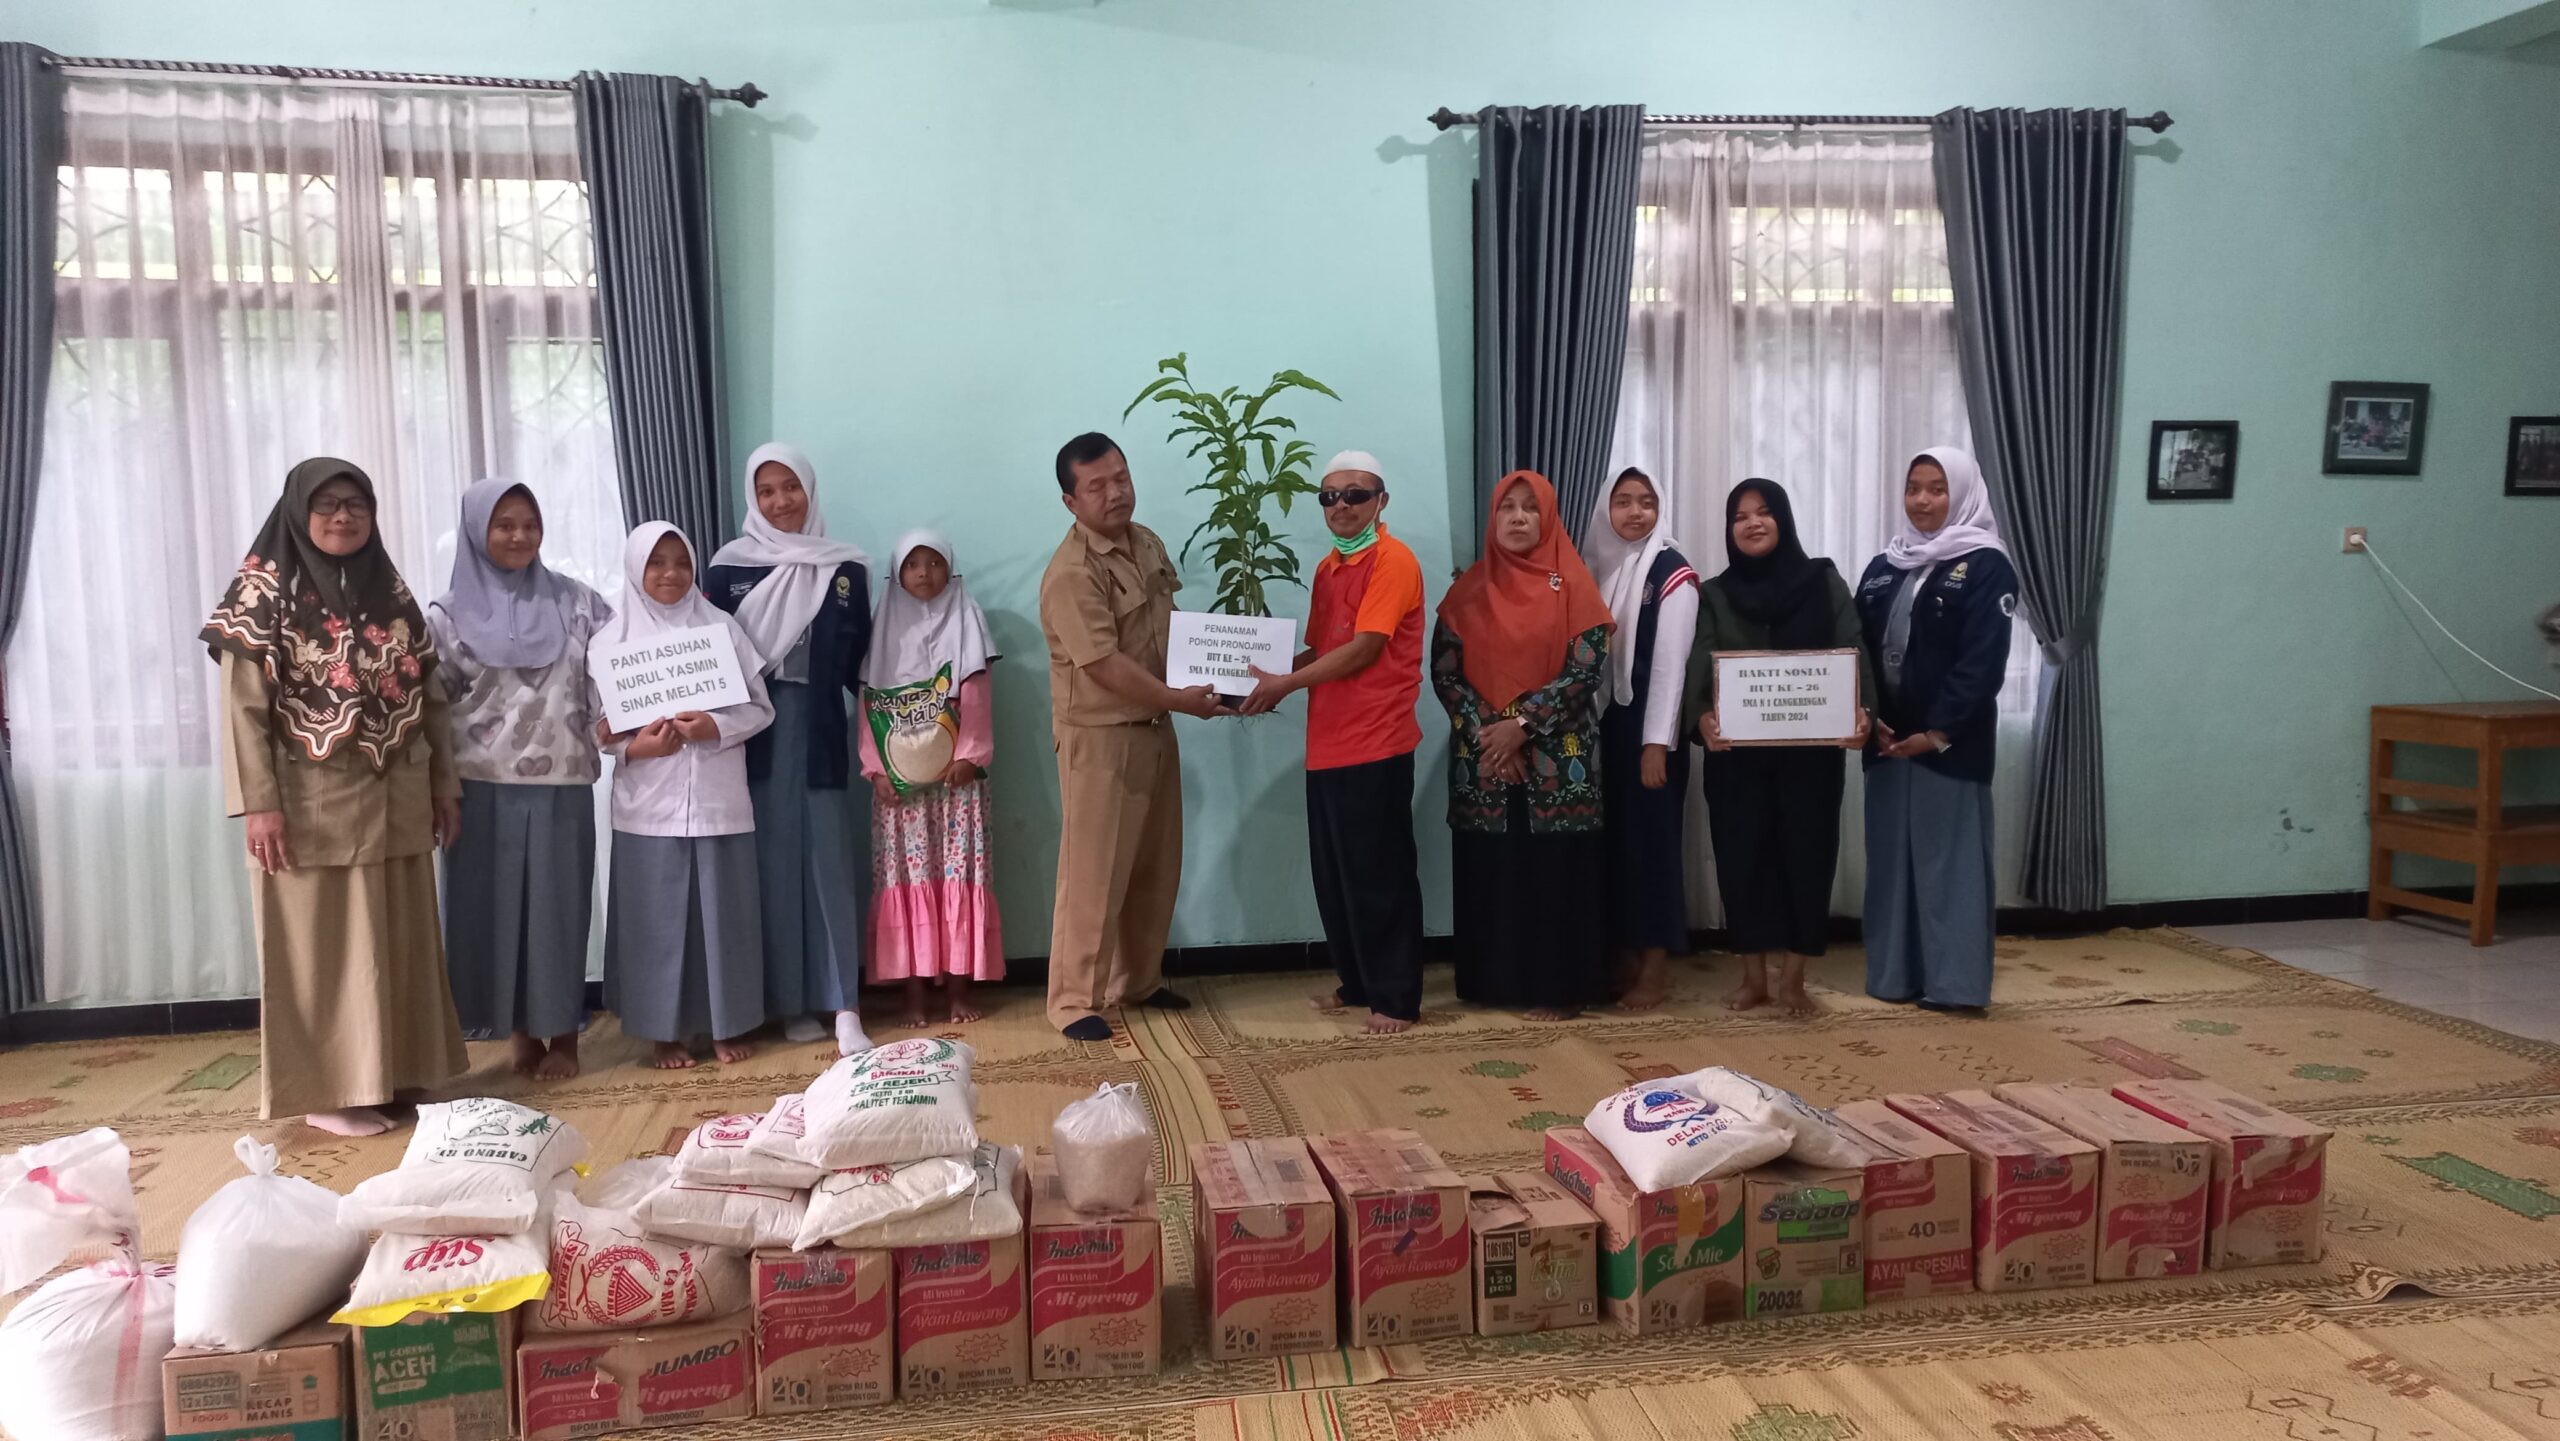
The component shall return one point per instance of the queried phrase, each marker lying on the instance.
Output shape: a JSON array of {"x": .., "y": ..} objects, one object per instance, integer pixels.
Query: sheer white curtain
[
  {"x": 1791, "y": 317},
  {"x": 249, "y": 274}
]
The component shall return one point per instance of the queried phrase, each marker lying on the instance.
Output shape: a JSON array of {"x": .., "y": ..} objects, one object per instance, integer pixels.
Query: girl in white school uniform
[{"x": 684, "y": 938}]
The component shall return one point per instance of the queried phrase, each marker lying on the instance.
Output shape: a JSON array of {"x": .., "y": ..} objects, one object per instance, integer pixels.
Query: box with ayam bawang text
[
  {"x": 1403, "y": 1227},
  {"x": 2151, "y": 1178},
  {"x": 1668, "y": 1259},
  {"x": 571, "y": 1384},
  {"x": 1262, "y": 1248},
  {"x": 2270, "y": 1171},
  {"x": 826, "y": 1338},
  {"x": 445, "y": 1377},
  {"x": 292, "y": 1390},
  {"x": 1097, "y": 1283},
  {"x": 964, "y": 1313},
  {"x": 1803, "y": 1239},
  {"x": 1919, "y": 1205},
  {"x": 2035, "y": 1190},
  {"x": 1536, "y": 1255}
]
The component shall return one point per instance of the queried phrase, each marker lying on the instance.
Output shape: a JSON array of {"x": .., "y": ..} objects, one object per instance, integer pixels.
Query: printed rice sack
[
  {"x": 1814, "y": 1135},
  {"x": 80, "y": 1359},
  {"x": 721, "y": 1152},
  {"x": 900, "y": 1102},
  {"x": 747, "y": 1218},
  {"x": 609, "y": 1274},
  {"x": 1665, "y": 1134},
  {"x": 477, "y": 1167},
  {"x": 984, "y": 1211},
  {"x": 260, "y": 1256},
  {"x": 864, "y": 1196},
  {"x": 439, "y": 1275}
]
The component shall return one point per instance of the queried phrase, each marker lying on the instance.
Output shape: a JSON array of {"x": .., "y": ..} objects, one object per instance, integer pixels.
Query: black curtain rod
[
  {"x": 1444, "y": 117},
  {"x": 746, "y": 94}
]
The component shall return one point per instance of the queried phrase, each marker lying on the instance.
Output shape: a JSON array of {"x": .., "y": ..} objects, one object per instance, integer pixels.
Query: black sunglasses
[{"x": 1348, "y": 495}]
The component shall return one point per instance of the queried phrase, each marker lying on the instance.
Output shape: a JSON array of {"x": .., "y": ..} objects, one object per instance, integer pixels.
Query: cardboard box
[
  {"x": 1403, "y": 1227},
  {"x": 964, "y": 1321},
  {"x": 1262, "y": 1248},
  {"x": 2152, "y": 1179},
  {"x": 2035, "y": 1191},
  {"x": 572, "y": 1384},
  {"x": 1804, "y": 1240},
  {"x": 1919, "y": 1205},
  {"x": 824, "y": 1338},
  {"x": 1097, "y": 1284},
  {"x": 2270, "y": 1171},
  {"x": 1668, "y": 1259},
  {"x": 437, "y": 1378},
  {"x": 1537, "y": 1261},
  {"x": 294, "y": 1390}
]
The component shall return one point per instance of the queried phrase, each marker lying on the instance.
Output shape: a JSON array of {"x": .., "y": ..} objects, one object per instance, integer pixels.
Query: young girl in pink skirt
[{"x": 926, "y": 736}]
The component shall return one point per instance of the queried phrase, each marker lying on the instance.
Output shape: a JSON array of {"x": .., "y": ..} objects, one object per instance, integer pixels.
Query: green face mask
[{"x": 1351, "y": 545}]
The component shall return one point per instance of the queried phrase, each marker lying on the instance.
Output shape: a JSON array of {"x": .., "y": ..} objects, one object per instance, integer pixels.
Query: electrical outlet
[{"x": 2355, "y": 540}]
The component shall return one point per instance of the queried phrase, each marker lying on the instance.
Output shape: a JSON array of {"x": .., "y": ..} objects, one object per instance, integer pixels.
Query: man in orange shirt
[{"x": 1362, "y": 671}]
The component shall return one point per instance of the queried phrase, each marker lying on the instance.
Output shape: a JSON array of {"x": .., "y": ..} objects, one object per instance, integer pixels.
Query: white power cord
[{"x": 2440, "y": 625}]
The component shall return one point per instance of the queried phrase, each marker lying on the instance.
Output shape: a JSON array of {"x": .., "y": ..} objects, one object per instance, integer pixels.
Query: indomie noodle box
[
  {"x": 2151, "y": 1179},
  {"x": 1403, "y": 1225},
  {"x": 587, "y": 1384},
  {"x": 824, "y": 1337},
  {"x": 1668, "y": 1258},
  {"x": 963, "y": 1313},
  {"x": 1918, "y": 1204},
  {"x": 2270, "y": 1171},
  {"x": 1097, "y": 1283},
  {"x": 1262, "y": 1249},
  {"x": 2035, "y": 1190}
]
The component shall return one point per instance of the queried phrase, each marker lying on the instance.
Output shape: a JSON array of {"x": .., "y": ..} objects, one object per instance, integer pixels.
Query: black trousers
[
  {"x": 1774, "y": 814},
  {"x": 1368, "y": 882}
]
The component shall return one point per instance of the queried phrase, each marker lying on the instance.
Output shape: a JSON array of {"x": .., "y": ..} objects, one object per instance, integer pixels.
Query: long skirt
[
  {"x": 809, "y": 868},
  {"x": 1647, "y": 904},
  {"x": 933, "y": 887},
  {"x": 1929, "y": 886},
  {"x": 681, "y": 937},
  {"x": 1368, "y": 882},
  {"x": 1775, "y": 818},
  {"x": 1525, "y": 934},
  {"x": 519, "y": 890},
  {"x": 354, "y": 1006}
]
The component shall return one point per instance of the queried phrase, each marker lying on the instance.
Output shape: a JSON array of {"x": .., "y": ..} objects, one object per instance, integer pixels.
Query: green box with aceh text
[{"x": 436, "y": 1378}]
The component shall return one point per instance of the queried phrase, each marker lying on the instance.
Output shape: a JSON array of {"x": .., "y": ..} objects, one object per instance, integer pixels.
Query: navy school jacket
[
  {"x": 1957, "y": 656},
  {"x": 838, "y": 639}
]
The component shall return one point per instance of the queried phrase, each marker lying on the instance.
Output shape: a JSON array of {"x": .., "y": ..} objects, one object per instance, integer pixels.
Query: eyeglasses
[
  {"x": 354, "y": 505},
  {"x": 1348, "y": 495}
]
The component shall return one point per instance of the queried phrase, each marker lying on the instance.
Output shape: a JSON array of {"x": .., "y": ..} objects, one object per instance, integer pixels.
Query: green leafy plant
[{"x": 1254, "y": 461}]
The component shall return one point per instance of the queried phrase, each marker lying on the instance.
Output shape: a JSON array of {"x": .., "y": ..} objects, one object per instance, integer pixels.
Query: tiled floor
[{"x": 2513, "y": 985}]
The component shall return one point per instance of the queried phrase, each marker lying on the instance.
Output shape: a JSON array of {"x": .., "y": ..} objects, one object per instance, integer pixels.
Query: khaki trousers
[{"x": 1119, "y": 866}]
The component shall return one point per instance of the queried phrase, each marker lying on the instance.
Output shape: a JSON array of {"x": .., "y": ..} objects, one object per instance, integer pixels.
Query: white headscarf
[
  {"x": 1621, "y": 565},
  {"x": 779, "y": 609},
  {"x": 1969, "y": 526},
  {"x": 911, "y": 639},
  {"x": 643, "y": 615}
]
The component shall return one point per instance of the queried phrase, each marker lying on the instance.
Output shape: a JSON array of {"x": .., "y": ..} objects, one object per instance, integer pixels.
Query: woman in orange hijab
[{"x": 1520, "y": 660}]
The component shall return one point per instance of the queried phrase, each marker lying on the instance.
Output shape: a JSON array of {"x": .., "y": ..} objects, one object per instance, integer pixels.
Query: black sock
[{"x": 1087, "y": 1028}]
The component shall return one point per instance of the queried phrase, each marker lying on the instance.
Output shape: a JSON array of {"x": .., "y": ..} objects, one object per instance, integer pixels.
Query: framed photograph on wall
[
  {"x": 2533, "y": 455},
  {"x": 2193, "y": 459},
  {"x": 2376, "y": 427}
]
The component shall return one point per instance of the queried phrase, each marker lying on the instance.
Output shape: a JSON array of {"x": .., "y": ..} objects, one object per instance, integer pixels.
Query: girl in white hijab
[
  {"x": 927, "y": 735},
  {"x": 806, "y": 602}
]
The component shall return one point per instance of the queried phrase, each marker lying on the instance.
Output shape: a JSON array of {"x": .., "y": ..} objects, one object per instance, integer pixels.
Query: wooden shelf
[{"x": 2471, "y": 824}]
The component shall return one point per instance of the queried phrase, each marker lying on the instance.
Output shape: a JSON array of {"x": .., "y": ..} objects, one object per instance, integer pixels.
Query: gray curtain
[
  {"x": 30, "y": 152},
  {"x": 1555, "y": 237},
  {"x": 642, "y": 142},
  {"x": 2035, "y": 208}
]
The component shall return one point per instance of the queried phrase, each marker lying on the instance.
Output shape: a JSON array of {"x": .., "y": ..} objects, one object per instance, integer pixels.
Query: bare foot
[
  {"x": 353, "y": 1121},
  {"x": 1795, "y": 1000},
  {"x": 1548, "y": 1015},
  {"x": 912, "y": 1013},
  {"x": 1651, "y": 986},
  {"x": 671, "y": 1056},
  {"x": 964, "y": 1008},
  {"x": 731, "y": 1052},
  {"x": 524, "y": 1053},
  {"x": 560, "y": 1062},
  {"x": 1329, "y": 1002},
  {"x": 1386, "y": 1025},
  {"x": 1749, "y": 996}
]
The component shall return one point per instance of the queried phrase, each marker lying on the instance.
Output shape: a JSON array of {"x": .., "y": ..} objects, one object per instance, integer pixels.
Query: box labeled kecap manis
[
  {"x": 292, "y": 1390},
  {"x": 437, "y": 1378},
  {"x": 1536, "y": 1255},
  {"x": 1803, "y": 1239},
  {"x": 2152, "y": 1178},
  {"x": 1262, "y": 1250},
  {"x": 1097, "y": 1283},
  {"x": 1669, "y": 1258},
  {"x": 825, "y": 1335},
  {"x": 2270, "y": 1171},
  {"x": 1918, "y": 1205},
  {"x": 572, "y": 1384},
  {"x": 2035, "y": 1190},
  {"x": 1403, "y": 1228}
]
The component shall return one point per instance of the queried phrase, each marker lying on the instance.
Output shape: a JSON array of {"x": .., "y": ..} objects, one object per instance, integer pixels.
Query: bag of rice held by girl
[
  {"x": 718, "y": 1152},
  {"x": 260, "y": 1256},
  {"x": 609, "y": 1274},
  {"x": 441, "y": 1275},
  {"x": 988, "y": 1209},
  {"x": 1104, "y": 1148},
  {"x": 1667, "y": 1135},
  {"x": 900, "y": 1102},
  {"x": 1814, "y": 1136},
  {"x": 477, "y": 1167},
  {"x": 79, "y": 1359},
  {"x": 867, "y": 1195}
]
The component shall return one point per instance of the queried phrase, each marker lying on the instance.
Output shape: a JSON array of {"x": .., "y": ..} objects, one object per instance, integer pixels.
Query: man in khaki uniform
[{"x": 1106, "y": 608}]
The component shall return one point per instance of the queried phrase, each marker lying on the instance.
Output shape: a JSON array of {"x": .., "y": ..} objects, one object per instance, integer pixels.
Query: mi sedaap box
[
  {"x": 1404, "y": 1238},
  {"x": 1918, "y": 1205},
  {"x": 1668, "y": 1259},
  {"x": 573, "y": 1384},
  {"x": 1537, "y": 1259},
  {"x": 2152, "y": 1179},
  {"x": 437, "y": 1378},
  {"x": 2035, "y": 1191},
  {"x": 1804, "y": 1240},
  {"x": 2270, "y": 1171},
  {"x": 292, "y": 1390},
  {"x": 826, "y": 1337},
  {"x": 1262, "y": 1250},
  {"x": 1097, "y": 1283}
]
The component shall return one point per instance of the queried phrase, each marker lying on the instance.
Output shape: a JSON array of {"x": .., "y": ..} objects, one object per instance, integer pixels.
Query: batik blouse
[{"x": 1563, "y": 721}]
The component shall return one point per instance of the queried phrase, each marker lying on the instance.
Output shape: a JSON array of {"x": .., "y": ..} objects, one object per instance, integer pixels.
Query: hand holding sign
[
  {"x": 1800, "y": 698},
  {"x": 668, "y": 676},
  {"x": 1220, "y": 652}
]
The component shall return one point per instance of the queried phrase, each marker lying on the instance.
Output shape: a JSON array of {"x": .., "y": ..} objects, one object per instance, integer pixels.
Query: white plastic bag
[
  {"x": 864, "y": 1196},
  {"x": 987, "y": 1209},
  {"x": 61, "y": 1194},
  {"x": 80, "y": 1359},
  {"x": 261, "y": 1256},
  {"x": 476, "y": 1167},
  {"x": 1814, "y": 1135},
  {"x": 1665, "y": 1134},
  {"x": 721, "y": 1152},
  {"x": 609, "y": 1274},
  {"x": 899, "y": 1102},
  {"x": 441, "y": 1275},
  {"x": 1104, "y": 1148}
]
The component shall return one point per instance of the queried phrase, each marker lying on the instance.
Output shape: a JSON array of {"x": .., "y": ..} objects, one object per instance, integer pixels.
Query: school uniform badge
[{"x": 844, "y": 587}]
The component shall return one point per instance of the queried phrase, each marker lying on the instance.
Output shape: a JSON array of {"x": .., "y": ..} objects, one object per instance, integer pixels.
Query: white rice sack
[
  {"x": 717, "y": 1153},
  {"x": 261, "y": 1256},
  {"x": 866, "y": 1196},
  {"x": 986, "y": 1210},
  {"x": 80, "y": 1359},
  {"x": 1104, "y": 1148},
  {"x": 477, "y": 1167},
  {"x": 783, "y": 1131},
  {"x": 1815, "y": 1136},
  {"x": 438, "y": 1275},
  {"x": 1665, "y": 1134},
  {"x": 744, "y": 1217},
  {"x": 900, "y": 1102},
  {"x": 59, "y": 1195},
  {"x": 608, "y": 1273}
]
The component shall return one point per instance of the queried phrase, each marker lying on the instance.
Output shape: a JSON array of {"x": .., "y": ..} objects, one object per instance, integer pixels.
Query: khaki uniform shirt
[
  {"x": 341, "y": 811},
  {"x": 1100, "y": 597}
]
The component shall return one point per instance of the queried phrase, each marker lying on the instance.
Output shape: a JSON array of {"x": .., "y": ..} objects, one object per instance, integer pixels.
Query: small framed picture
[
  {"x": 2533, "y": 455},
  {"x": 2376, "y": 427},
  {"x": 2193, "y": 459}
]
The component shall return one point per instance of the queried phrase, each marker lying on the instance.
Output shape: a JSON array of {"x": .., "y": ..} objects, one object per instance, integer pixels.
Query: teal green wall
[{"x": 963, "y": 230}]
